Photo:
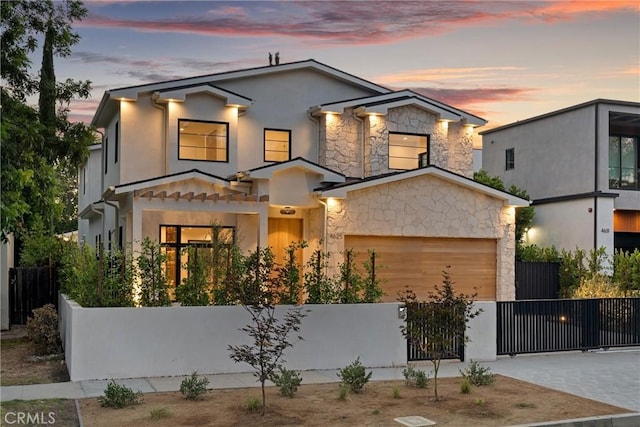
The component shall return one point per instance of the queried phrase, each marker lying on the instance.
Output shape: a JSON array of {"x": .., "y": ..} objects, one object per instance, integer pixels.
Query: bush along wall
[{"x": 216, "y": 275}]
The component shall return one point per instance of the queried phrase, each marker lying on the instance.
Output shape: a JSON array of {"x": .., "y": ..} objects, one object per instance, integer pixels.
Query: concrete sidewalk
[{"x": 610, "y": 376}]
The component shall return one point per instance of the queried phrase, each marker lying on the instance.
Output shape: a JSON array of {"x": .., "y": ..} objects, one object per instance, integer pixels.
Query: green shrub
[
  {"x": 252, "y": 404},
  {"x": 465, "y": 386},
  {"x": 415, "y": 377},
  {"x": 42, "y": 330},
  {"x": 287, "y": 381},
  {"x": 598, "y": 286},
  {"x": 193, "y": 387},
  {"x": 354, "y": 376},
  {"x": 477, "y": 374},
  {"x": 395, "y": 392},
  {"x": 343, "y": 392},
  {"x": 119, "y": 396}
]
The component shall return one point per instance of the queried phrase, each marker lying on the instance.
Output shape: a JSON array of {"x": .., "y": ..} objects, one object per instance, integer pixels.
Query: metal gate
[
  {"x": 453, "y": 350},
  {"x": 536, "y": 326}
]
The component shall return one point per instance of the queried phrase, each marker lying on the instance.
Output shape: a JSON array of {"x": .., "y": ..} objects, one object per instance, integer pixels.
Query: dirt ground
[
  {"x": 504, "y": 403},
  {"x": 19, "y": 366}
]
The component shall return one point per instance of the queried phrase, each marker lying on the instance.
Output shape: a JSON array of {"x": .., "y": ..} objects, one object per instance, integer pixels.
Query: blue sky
[{"x": 502, "y": 60}]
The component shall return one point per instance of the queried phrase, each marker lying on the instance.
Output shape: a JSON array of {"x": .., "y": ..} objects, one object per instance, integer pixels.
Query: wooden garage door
[{"x": 418, "y": 262}]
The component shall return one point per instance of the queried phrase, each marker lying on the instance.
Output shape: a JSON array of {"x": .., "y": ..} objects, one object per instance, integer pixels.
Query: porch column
[
  {"x": 263, "y": 225},
  {"x": 136, "y": 227}
]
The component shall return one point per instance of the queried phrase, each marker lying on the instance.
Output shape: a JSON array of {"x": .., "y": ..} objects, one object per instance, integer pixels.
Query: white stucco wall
[
  {"x": 572, "y": 223},
  {"x": 482, "y": 333},
  {"x": 104, "y": 343},
  {"x": 6, "y": 262},
  {"x": 554, "y": 156}
]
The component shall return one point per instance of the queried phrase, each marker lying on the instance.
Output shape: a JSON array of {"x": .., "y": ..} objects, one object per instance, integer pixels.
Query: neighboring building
[
  {"x": 581, "y": 168},
  {"x": 299, "y": 151}
]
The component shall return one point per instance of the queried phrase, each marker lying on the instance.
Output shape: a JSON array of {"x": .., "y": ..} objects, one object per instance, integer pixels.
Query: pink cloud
[{"x": 360, "y": 22}]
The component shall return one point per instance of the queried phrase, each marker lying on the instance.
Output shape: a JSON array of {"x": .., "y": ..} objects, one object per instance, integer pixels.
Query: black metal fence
[
  {"x": 537, "y": 280},
  {"x": 30, "y": 288},
  {"x": 453, "y": 350},
  {"x": 561, "y": 325}
]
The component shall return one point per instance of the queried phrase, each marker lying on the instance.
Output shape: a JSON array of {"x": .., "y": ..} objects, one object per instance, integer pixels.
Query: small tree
[
  {"x": 154, "y": 286},
  {"x": 372, "y": 290},
  {"x": 434, "y": 325},
  {"x": 195, "y": 289},
  {"x": 270, "y": 338},
  {"x": 351, "y": 281},
  {"x": 321, "y": 289},
  {"x": 289, "y": 275}
]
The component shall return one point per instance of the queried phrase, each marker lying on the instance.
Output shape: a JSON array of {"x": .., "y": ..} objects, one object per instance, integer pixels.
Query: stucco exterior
[
  {"x": 339, "y": 127},
  {"x": 562, "y": 160}
]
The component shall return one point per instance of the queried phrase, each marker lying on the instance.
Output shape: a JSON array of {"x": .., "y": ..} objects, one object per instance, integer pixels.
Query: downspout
[
  {"x": 101, "y": 161},
  {"x": 94, "y": 210},
  {"x": 324, "y": 230},
  {"x": 596, "y": 177},
  {"x": 165, "y": 130},
  {"x": 117, "y": 225}
]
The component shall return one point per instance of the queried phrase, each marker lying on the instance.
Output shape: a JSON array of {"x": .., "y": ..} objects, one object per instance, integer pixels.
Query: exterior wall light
[{"x": 287, "y": 210}]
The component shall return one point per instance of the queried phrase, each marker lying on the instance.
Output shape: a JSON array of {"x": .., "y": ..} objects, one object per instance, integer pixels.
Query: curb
[{"x": 618, "y": 420}]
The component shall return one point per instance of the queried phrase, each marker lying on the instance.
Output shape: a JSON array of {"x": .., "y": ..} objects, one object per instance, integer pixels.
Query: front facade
[
  {"x": 581, "y": 168},
  {"x": 298, "y": 151}
]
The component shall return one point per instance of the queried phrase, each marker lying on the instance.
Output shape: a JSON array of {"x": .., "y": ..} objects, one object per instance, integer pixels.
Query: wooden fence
[{"x": 30, "y": 288}]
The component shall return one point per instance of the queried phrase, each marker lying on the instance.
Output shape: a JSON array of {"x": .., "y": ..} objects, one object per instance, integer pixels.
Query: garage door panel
[{"x": 418, "y": 262}]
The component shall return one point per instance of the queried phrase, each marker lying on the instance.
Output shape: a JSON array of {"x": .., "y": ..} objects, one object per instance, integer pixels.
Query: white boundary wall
[{"x": 105, "y": 343}]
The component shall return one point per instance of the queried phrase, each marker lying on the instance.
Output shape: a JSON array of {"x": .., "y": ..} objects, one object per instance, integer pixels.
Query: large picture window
[
  {"x": 405, "y": 150},
  {"x": 277, "y": 145},
  {"x": 624, "y": 160},
  {"x": 209, "y": 241},
  {"x": 199, "y": 140}
]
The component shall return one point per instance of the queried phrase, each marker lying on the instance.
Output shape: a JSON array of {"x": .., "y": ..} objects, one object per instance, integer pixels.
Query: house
[
  {"x": 581, "y": 168},
  {"x": 299, "y": 151}
]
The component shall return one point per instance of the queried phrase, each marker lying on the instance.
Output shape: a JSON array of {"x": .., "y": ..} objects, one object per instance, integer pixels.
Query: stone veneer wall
[
  {"x": 342, "y": 136},
  {"x": 461, "y": 149},
  {"x": 429, "y": 207},
  {"x": 341, "y": 143}
]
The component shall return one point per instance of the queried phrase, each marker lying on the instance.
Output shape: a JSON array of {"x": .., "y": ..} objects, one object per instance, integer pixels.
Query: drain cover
[{"x": 414, "y": 421}]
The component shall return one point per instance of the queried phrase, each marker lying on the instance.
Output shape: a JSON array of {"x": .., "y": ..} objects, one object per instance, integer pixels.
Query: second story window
[
  {"x": 116, "y": 146},
  {"x": 405, "y": 150},
  {"x": 277, "y": 145},
  {"x": 200, "y": 140},
  {"x": 509, "y": 158},
  {"x": 624, "y": 163},
  {"x": 106, "y": 155}
]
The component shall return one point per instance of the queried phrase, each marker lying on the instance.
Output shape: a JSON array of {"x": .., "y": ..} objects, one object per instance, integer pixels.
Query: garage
[{"x": 418, "y": 262}]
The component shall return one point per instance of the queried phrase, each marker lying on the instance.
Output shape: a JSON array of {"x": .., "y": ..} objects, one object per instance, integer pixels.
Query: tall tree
[{"x": 40, "y": 148}]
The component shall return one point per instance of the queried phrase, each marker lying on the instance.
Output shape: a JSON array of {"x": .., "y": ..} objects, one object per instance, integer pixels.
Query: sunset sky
[{"x": 501, "y": 60}]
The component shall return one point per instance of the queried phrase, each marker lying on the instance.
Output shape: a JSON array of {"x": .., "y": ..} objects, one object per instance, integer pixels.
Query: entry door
[{"x": 283, "y": 232}]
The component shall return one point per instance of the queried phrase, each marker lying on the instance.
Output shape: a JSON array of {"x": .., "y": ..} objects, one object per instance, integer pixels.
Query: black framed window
[
  {"x": 277, "y": 145},
  {"x": 105, "y": 151},
  {"x": 406, "y": 150},
  {"x": 176, "y": 239},
  {"x": 202, "y": 140},
  {"x": 624, "y": 162},
  {"x": 116, "y": 146},
  {"x": 509, "y": 158}
]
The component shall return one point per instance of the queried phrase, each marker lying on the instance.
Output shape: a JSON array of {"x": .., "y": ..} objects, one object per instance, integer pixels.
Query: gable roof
[
  {"x": 266, "y": 172},
  {"x": 380, "y": 104},
  {"x": 131, "y": 93},
  {"x": 168, "y": 179},
  {"x": 341, "y": 190},
  {"x": 562, "y": 111}
]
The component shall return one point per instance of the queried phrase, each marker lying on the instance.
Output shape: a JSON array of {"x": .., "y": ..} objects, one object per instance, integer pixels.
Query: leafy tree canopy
[
  {"x": 41, "y": 149},
  {"x": 524, "y": 216}
]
